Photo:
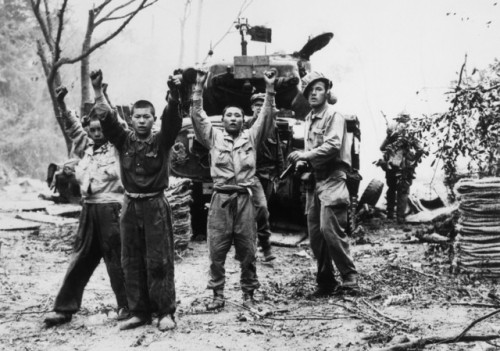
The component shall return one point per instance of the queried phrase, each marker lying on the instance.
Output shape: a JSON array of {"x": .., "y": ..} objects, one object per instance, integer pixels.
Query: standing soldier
[
  {"x": 402, "y": 152},
  {"x": 146, "y": 219},
  {"x": 328, "y": 153},
  {"x": 231, "y": 216},
  {"x": 269, "y": 166},
  {"x": 98, "y": 233}
]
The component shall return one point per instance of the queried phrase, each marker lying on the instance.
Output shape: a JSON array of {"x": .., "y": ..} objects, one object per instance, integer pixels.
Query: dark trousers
[
  {"x": 148, "y": 255},
  {"x": 98, "y": 237},
  {"x": 261, "y": 191},
  {"x": 326, "y": 225},
  {"x": 234, "y": 222},
  {"x": 397, "y": 194}
]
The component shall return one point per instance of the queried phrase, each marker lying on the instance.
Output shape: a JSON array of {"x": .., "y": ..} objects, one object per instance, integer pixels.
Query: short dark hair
[
  {"x": 143, "y": 104},
  {"x": 235, "y": 106}
]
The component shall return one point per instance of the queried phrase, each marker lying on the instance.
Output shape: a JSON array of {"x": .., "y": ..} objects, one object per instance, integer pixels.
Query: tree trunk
[
  {"x": 51, "y": 87},
  {"x": 85, "y": 64},
  {"x": 198, "y": 32}
]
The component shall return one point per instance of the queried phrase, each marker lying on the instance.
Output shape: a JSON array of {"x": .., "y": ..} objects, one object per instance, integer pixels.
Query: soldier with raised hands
[
  {"x": 98, "y": 234},
  {"x": 146, "y": 218},
  {"x": 231, "y": 217}
]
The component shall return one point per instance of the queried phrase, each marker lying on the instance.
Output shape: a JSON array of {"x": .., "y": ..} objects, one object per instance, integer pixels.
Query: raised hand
[
  {"x": 96, "y": 78},
  {"x": 201, "y": 77},
  {"x": 270, "y": 77},
  {"x": 61, "y": 92},
  {"x": 174, "y": 83}
]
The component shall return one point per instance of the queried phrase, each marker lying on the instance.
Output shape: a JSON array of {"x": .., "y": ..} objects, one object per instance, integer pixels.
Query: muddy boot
[
  {"x": 248, "y": 299},
  {"x": 135, "y": 321},
  {"x": 324, "y": 291},
  {"x": 268, "y": 254},
  {"x": 57, "y": 318},
  {"x": 166, "y": 323},
  {"x": 123, "y": 314},
  {"x": 350, "y": 281},
  {"x": 217, "y": 302}
]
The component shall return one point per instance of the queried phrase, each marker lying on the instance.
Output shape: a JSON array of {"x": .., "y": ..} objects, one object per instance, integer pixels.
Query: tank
[{"x": 233, "y": 82}]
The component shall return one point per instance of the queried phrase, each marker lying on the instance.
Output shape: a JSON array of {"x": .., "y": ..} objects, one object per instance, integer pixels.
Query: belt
[
  {"x": 139, "y": 196},
  {"x": 234, "y": 193}
]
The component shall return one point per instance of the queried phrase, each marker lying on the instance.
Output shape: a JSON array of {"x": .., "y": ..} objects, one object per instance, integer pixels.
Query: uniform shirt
[
  {"x": 270, "y": 160},
  {"x": 144, "y": 164},
  {"x": 327, "y": 144},
  {"x": 233, "y": 161},
  {"x": 97, "y": 173}
]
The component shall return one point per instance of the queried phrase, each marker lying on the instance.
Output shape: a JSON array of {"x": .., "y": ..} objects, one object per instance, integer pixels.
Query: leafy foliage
[
  {"x": 470, "y": 128},
  {"x": 27, "y": 143}
]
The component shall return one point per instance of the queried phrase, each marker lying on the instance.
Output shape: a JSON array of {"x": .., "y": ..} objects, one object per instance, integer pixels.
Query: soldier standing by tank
[
  {"x": 231, "y": 217},
  {"x": 402, "y": 152},
  {"x": 98, "y": 234},
  {"x": 328, "y": 154},
  {"x": 146, "y": 219},
  {"x": 269, "y": 166}
]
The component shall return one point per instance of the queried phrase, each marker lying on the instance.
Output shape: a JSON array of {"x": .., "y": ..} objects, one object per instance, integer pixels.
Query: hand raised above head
[
  {"x": 174, "y": 83},
  {"x": 201, "y": 77},
  {"x": 61, "y": 92},
  {"x": 270, "y": 77},
  {"x": 96, "y": 78}
]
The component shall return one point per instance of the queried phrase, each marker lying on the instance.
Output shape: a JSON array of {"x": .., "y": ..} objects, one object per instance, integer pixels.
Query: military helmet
[
  {"x": 257, "y": 96},
  {"x": 311, "y": 78}
]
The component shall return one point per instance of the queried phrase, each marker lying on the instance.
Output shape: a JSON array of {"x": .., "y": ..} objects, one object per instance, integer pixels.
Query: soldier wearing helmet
[
  {"x": 269, "y": 166},
  {"x": 328, "y": 154},
  {"x": 402, "y": 152}
]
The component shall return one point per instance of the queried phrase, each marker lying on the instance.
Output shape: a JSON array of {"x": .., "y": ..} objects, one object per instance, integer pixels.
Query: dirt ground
[{"x": 32, "y": 266}]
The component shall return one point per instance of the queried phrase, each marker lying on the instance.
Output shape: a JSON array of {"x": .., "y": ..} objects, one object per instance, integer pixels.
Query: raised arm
[
  {"x": 171, "y": 118},
  {"x": 203, "y": 129},
  {"x": 113, "y": 130},
  {"x": 266, "y": 118},
  {"x": 72, "y": 125}
]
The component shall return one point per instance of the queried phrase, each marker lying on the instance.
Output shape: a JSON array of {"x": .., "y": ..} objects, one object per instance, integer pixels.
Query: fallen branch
[
  {"x": 474, "y": 304},
  {"x": 446, "y": 340},
  {"x": 380, "y": 313},
  {"x": 414, "y": 270},
  {"x": 419, "y": 343}
]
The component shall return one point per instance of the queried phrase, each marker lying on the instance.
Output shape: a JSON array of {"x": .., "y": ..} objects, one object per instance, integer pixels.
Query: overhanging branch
[
  {"x": 43, "y": 26},
  {"x": 60, "y": 16},
  {"x": 65, "y": 61}
]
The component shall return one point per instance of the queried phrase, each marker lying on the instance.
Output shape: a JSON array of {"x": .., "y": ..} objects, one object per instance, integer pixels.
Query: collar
[
  {"x": 320, "y": 113},
  {"x": 104, "y": 148},
  {"x": 148, "y": 140}
]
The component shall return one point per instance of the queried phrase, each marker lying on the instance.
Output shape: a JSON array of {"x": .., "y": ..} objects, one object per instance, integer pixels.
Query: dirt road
[{"x": 32, "y": 266}]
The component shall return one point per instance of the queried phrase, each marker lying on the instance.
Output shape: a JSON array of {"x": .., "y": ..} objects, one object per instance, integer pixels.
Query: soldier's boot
[
  {"x": 248, "y": 299},
  {"x": 57, "y": 318},
  {"x": 268, "y": 254},
  {"x": 218, "y": 301}
]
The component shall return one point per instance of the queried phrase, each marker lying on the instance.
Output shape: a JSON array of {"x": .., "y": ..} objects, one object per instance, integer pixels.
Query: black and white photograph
[{"x": 249, "y": 175}]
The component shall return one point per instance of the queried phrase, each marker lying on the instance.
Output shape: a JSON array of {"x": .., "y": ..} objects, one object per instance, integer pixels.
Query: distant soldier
[
  {"x": 402, "y": 152},
  {"x": 231, "y": 217},
  {"x": 269, "y": 166},
  {"x": 328, "y": 154},
  {"x": 98, "y": 234}
]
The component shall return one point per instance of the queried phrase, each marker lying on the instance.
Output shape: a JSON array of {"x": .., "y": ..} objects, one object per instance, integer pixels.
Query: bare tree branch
[
  {"x": 41, "y": 23},
  {"x": 60, "y": 16},
  {"x": 99, "y": 8},
  {"x": 48, "y": 17},
  {"x": 106, "y": 18},
  {"x": 119, "y": 8},
  {"x": 65, "y": 61},
  {"x": 41, "y": 53}
]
